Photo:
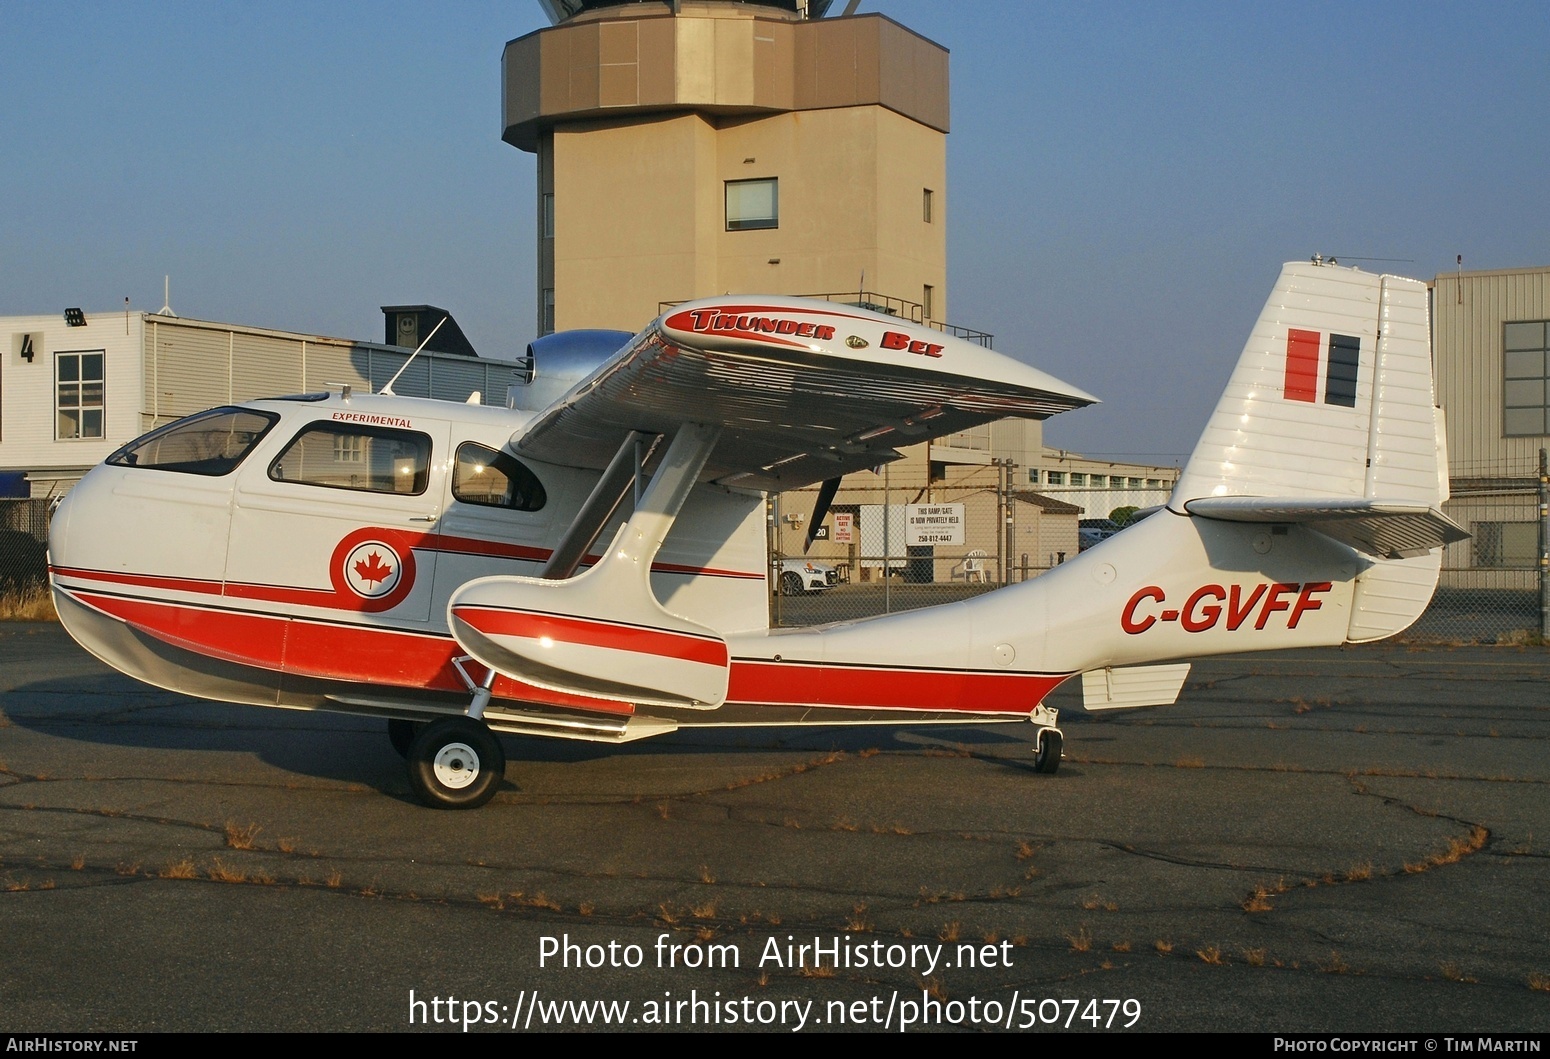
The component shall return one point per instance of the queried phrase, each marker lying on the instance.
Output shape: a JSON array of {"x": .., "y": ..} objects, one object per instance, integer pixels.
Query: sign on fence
[{"x": 933, "y": 524}]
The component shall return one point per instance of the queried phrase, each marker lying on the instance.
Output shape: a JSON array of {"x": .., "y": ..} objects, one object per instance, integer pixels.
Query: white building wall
[
  {"x": 157, "y": 369},
  {"x": 28, "y": 391}
]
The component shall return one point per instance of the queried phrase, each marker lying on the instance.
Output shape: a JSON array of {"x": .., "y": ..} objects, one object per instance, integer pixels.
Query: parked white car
[{"x": 799, "y": 576}]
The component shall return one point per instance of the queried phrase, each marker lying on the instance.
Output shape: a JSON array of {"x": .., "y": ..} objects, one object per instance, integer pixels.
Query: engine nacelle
[{"x": 555, "y": 363}]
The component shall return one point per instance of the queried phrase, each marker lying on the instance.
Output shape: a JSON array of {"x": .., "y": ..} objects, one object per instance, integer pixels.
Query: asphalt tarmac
[{"x": 1343, "y": 840}]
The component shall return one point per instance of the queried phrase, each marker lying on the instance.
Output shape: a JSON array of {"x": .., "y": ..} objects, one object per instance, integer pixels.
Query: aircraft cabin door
[{"x": 344, "y": 520}]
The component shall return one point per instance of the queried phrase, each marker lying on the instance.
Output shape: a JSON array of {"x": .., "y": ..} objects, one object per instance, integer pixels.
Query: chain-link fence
[
  {"x": 23, "y": 546},
  {"x": 1493, "y": 585},
  {"x": 882, "y": 550}
]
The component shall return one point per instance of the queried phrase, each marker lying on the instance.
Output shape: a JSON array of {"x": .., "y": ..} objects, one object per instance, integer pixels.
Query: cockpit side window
[
  {"x": 482, "y": 475},
  {"x": 349, "y": 456},
  {"x": 210, "y": 443}
]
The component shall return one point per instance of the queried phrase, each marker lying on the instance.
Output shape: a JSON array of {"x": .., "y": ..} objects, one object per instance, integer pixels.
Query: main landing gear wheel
[
  {"x": 401, "y": 734},
  {"x": 1046, "y": 758},
  {"x": 455, "y": 763}
]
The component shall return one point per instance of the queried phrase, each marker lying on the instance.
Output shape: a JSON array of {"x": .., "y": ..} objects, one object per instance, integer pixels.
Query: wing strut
[
  {"x": 602, "y": 632},
  {"x": 821, "y": 509},
  {"x": 605, "y": 498}
]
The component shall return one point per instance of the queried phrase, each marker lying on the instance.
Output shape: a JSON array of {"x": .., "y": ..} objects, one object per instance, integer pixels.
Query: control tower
[{"x": 694, "y": 147}]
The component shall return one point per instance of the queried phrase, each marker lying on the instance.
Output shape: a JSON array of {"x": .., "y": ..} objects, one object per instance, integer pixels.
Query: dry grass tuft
[
  {"x": 183, "y": 869},
  {"x": 1258, "y": 901},
  {"x": 335, "y": 878},
  {"x": 870, "y": 751},
  {"x": 705, "y": 875},
  {"x": 1360, "y": 873},
  {"x": 238, "y": 837},
  {"x": 1163, "y": 946},
  {"x": 1539, "y": 983},
  {"x": 934, "y": 988},
  {"x": 222, "y": 872},
  {"x": 1334, "y": 965},
  {"x": 586, "y": 908},
  {"x": 1254, "y": 957},
  {"x": 1454, "y": 973},
  {"x": 1121, "y": 946},
  {"x": 33, "y": 604},
  {"x": 1190, "y": 763},
  {"x": 821, "y": 970},
  {"x": 78, "y": 862},
  {"x": 1026, "y": 849},
  {"x": 951, "y": 931},
  {"x": 705, "y": 911},
  {"x": 1094, "y": 903},
  {"x": 494, "y": 901},
  {"x": 1210, "y": 954},
  {"x": 858, "y": 920},
  {"x": 1081, "y": 941}
]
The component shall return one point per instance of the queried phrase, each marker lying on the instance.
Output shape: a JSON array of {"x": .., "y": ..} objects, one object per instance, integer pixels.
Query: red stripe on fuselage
[
  {"x": 591, "y": 632},
  {"x": 860, "y": 687}
]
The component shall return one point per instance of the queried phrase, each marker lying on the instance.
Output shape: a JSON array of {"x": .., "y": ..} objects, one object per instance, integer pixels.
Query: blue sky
[{"x": 1124, "y": 179}]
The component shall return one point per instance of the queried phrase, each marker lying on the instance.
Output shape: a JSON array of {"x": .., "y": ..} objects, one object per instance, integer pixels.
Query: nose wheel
[
  {"x": 1048, "y": 741},
  {"x": 455, "y": 763},
  {"x": 1046, "y": 757}
]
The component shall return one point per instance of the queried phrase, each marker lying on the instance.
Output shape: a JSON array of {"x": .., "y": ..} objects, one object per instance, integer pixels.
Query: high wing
[{"x": 801, "y": 390}]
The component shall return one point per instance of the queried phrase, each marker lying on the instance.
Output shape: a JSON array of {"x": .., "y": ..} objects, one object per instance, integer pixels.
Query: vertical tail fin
[
  {"x": 1332, "y": 396},
  {"x": 1329, "y": 421}
]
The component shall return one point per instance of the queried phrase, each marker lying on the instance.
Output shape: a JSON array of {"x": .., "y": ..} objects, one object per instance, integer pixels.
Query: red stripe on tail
[{"x": 1302, "y": 365}]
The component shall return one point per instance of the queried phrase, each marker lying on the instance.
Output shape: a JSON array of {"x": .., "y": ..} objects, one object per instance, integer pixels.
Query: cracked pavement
[{"x": 1331, "y": 840}]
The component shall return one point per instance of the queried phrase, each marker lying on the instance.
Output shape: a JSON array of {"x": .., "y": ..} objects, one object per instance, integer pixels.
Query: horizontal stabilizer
[
  {"x": 1114, "y": 689},
  {"x": 1386, "y": 529}
]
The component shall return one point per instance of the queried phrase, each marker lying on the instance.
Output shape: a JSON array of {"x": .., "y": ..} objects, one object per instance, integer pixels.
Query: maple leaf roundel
[{"x": 372, "y": 569}]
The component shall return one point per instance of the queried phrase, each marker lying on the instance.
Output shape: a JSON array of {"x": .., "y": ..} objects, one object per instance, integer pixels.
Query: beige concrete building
[
  {"x": 1491, "y": 352},
  {"x": 696, "y": 148}
]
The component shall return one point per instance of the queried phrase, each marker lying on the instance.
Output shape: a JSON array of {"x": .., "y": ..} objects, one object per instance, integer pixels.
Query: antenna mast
[{"x": 387, "y": 391}]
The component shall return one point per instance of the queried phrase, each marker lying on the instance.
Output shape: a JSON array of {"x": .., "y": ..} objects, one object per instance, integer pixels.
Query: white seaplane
[{"x": 438, "y": 564}]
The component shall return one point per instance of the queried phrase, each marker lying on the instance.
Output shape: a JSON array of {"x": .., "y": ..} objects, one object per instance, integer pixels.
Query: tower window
[
  {"x": 926, "y": 195},
  {"x": 752, "y": 204}
]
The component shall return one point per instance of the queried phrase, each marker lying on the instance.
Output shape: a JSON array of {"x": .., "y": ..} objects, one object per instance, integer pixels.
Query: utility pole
[{"x": 1544, "y": 547}]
